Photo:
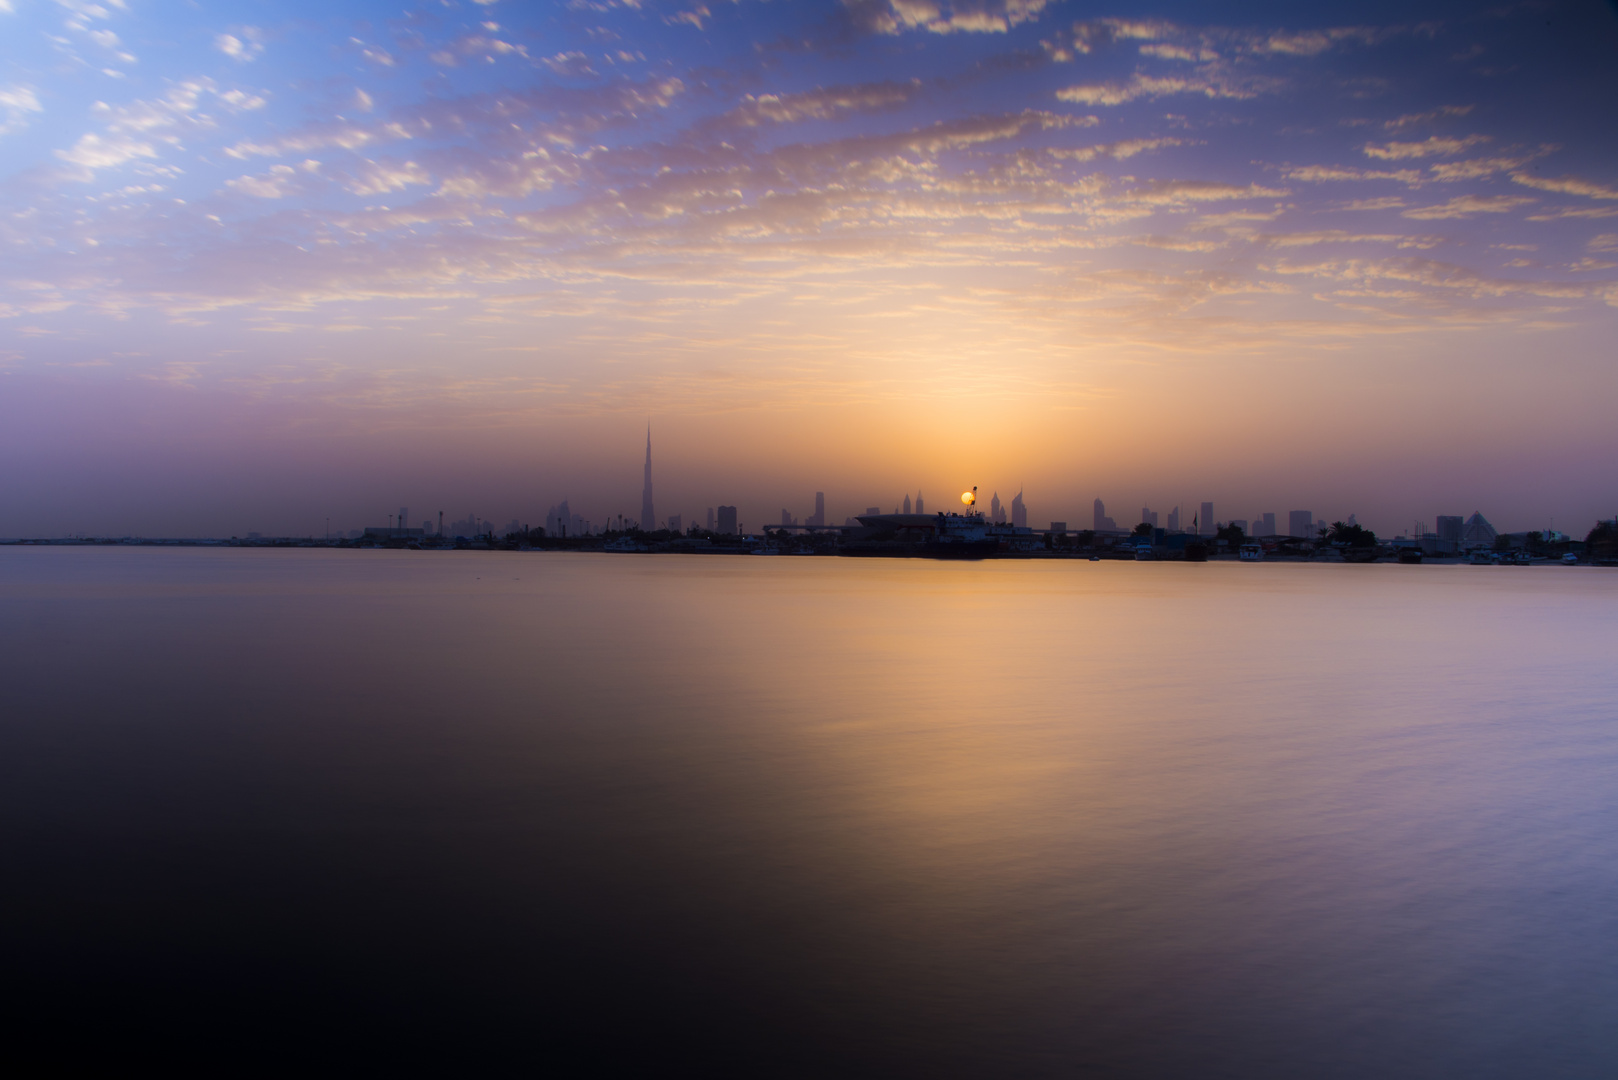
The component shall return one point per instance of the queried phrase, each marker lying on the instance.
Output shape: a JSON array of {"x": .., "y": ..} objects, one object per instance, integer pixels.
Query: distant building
[
  {"x": 404, "y": 516},
  {"x": 873, "y": 510},
  {"x": 1174, "y": 520},
  {"x": 1058, "y": 528},
  {"x": 1477, "y": 532},
  {"x": 726, "y": 521},
  {"x": 676, "y": 521},
  {"x": 1103, "y": 523},
  {"x": 819, "y": 517},
  {"x": 1148, "y": 516},
  {"x": 906, "y": 509},
  {"x": 787, "y": 520},
  {"x": 1239, "y": 523},
  {"x": 921, "y": 507},
  {"x": 1301, "y": 523},
  {"x": 710, "y": 526},
  {"x": 379, "y": 532},
  {"x": 1449, "y": 527},
  {"x": 1205, "y": 521},
  {"x": 997, "y": 513},
  {"x": 1263, "y": 525},
  {"x": 1019, "y": 512},
  {"x": 648, "y": 519}
]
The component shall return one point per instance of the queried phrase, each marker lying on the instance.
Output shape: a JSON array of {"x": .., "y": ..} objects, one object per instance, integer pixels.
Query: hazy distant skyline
[{"x": 266, "y": 264}]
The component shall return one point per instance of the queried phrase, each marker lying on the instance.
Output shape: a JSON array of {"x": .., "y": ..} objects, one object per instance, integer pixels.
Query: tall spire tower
[{"x": 647, "y": 520}]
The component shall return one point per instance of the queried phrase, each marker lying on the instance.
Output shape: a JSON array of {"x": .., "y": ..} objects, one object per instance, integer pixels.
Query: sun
[{"x": 969, "y": 497}]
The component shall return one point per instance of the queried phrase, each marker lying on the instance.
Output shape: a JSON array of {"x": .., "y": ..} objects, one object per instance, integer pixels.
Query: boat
[
  {"x": 1251, "y": 553},
  {"x": 1570, "y": 559},
  {"x": 1143, "y": 553},
  {"x": 1410, "y": 556}
]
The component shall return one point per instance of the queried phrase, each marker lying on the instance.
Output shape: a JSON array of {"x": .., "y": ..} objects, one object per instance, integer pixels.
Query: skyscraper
[
  {"x": 1205, "y": 520},
  {"x": 727, "y": 521},
  {"x": 1103, "y": 523},
  {"x": 907, "y": 503},
  {"x": 1301, "y": 523},
  {"x": 1174, "y": 520},
  {"x": 921, "y": 507},
  {"x": 1264, "y": 525},
  {"x": 820, "y": 509},
  {"x": 1019, "y": 512},
  {"x": 997, "y": 513},
  {"x": 648, "y": 520}
]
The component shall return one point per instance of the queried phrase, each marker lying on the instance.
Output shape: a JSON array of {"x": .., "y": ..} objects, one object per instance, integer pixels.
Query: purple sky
[{"x": 264, "y": 265}]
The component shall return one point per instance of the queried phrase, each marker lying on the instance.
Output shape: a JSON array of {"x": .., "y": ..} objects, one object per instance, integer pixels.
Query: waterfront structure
[
  {"x": 1301, "y": 523},
  {"x": 648, "y": 519},
  {"x": 726, "y": 521},
  {"x": 1205, "y": 521}
]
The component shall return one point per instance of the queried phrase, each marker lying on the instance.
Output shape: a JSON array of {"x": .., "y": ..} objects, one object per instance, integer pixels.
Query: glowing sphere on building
[{"x": 968, "y": 497}]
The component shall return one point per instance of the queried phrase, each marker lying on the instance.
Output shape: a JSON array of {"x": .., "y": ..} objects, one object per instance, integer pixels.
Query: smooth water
[{"x": 807, "y": 816}]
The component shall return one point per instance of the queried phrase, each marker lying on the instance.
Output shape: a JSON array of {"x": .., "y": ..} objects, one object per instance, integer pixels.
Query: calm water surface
[{"x": 807, "y": 816}]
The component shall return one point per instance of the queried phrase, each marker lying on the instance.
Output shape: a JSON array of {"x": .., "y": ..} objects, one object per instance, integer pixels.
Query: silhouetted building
[
  {"x": 726, "y": 521},
  {"x": 1174, "y": 520},
  {"x": 1205, "y": 521},
  {"x": 906, "y": 509},
  {"x": 1477, "y": 532},
  {"x": 1301, "y": 523},
  {"x": 997, "y": 513},
  {"x": 1103, "y": 523},
  {"x": 1264, "y": 525},
  {"x": 1448, "y": 528},
  {"x": 1019, "y": 512},
  {"x": 648, "y": 519},
  {"x": 404, "y": 516},
  {"x": 1148, "y": 516},
  {"x": 873, "y": 510},
  {"x": 819, "y": 517},
  {"x": 676, "y": 521},
  {"x": 1059, "y": 528},
  {"x": 1239, "y": 523},
  {"x": 921, "y": 507}
]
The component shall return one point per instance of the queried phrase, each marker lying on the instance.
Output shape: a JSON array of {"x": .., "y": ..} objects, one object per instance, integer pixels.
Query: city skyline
[{"x": 264, "y": 263}]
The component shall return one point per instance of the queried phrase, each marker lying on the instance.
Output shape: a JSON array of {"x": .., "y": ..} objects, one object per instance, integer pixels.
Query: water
[{"x": 807, "y": 816}]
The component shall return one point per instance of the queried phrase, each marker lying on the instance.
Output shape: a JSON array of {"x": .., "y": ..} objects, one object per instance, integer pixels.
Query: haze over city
[{"x": 270, "y": 266}]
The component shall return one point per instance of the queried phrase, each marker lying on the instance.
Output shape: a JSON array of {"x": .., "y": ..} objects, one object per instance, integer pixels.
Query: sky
[{"x": 268, "y": 265}]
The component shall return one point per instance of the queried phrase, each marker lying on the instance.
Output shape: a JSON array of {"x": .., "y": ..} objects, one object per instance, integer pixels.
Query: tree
[
  {"x": 1354, "y": 536},
  {"x": 1601, "y": 542},
  {"x": 1143, "y": 529},
  {"x": 1232, "y": 535}
]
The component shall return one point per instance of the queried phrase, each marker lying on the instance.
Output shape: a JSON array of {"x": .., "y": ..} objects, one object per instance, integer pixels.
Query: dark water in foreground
[{"x": 310, "y": 810}]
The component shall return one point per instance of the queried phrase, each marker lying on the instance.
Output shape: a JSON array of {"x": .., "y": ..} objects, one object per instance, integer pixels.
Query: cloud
[
  {"x": 1435, "y": 146},
  {"x": 1320, "y": 173},
  {"x": 278, "y": 183},
  {"x": 944, "y": 16},
  {"x": 94, "y": 152},
  {"x": 1566, "y": 185},
  {"x": 1443, "y": 112},
  {"x": 1149, "y": 86},
  {"x": 380, "y": 178},
  {"x": 1178, "y": 192},
  {"x": 1603, "y": 242},
  {"x": 822, "y": 104},
  {"x": 1465, "y": 206},
  {"x": 1478, "y": 168},
  {"x": 242, "y": 49},
  {"x": 16, "y": 102},
  {"x": 1118, "y": 151}
]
